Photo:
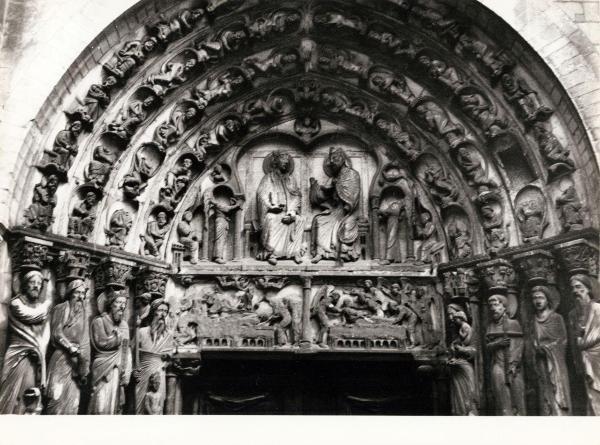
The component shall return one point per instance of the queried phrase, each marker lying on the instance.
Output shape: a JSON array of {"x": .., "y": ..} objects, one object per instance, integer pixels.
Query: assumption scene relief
[{"x": 307, "y": 207}]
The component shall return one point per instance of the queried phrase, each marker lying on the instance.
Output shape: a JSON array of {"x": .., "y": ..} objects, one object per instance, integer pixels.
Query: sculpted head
[
  {"x": 161, "y": 219},
  {"x": 76, "y": 291},
  {"x": 160, "y": 309},
  {"x": 396, "y": 289},
  {"x": 91, "y": 199},
  {"x": 583, "y": 289},
  {"x": 154, "y": 382},
  {"x": 282, "y": 162},
  {"x": 32, "y": 284},
  {"x": 540, "y": 296},
  {"x": 497, "y": 305},
  {"x": 368, "y": 284},
  {"x": 336, "y": 160},
  {"x": 117, "y": 302}
]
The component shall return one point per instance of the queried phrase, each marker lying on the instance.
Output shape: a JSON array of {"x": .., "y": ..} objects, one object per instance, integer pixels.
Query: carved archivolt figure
[
  {"x": 101, "y": 165},
  {"x": 70, "y": 363},
  {"x": 571, "y": 209},
  {"x": 111, "y": 366},
  {"x": 335, "y": 228},
  {"x": 170, "y": 131},
  {"x": 130, "y": 118},
  {"x": 154, "y": 343},
  {"x": 394, "y": 212},
  {"x": 552, "y": 149},
  {"x": 465, "y": 397},
  {"x": 460, "y": 239},
  {"x": 83, "y": 217},
  {"x": 279, "y": 201},
  {"x": 134, "y": 182},
  {"x": 441, "y": 187},
  {"x": 517, "y": 92},
  {"x": 438, "y": 69},
  {"x": 531, "y": 217},
  {"x": 478, "y": 108},
  {"x": 65, "y": 147},
  {"x": 156, "y": 231},
  {"x": 39, "y": 213},
  {"x": 438, "y": 122},
  {"x": 118, "y": 228},
  {"x": 473, "y": 170},
  {"x": 496, "y": 61},
  {"x": 24, "y": 364},
  {"x": 188, "y": 237},
  {"x": 96, "y": 100},
  {"x": 430, "y": 248},
  {"x": 403, "y": 140},
  {"x": 585, "y": 326},
  {"x": 550, "y": 344},
  {"x": 504, "y": 341},
  {"x": 130, "y": 55}
]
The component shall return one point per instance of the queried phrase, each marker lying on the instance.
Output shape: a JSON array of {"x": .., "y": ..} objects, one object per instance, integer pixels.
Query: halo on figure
[
  {"x": 332, "y": 149},
  {"x": 551, "y": 294},
  {"x": 268, "y": 161}
]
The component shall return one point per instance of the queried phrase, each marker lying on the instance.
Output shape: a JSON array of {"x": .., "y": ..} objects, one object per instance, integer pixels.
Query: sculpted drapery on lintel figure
[
  {"x": 335, "y": 227},
  {"x": 279, "y": 201}
]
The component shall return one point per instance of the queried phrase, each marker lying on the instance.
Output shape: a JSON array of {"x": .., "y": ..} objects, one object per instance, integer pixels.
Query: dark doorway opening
[{"x": 314, "y": 387}]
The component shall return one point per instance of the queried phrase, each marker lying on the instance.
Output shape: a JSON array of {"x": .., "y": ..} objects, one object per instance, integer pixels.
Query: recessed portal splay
[{"x": 309, "y": 208}]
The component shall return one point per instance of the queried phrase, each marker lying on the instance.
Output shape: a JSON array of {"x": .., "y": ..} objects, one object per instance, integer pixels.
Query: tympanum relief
[{"x": 298, "y": 174}]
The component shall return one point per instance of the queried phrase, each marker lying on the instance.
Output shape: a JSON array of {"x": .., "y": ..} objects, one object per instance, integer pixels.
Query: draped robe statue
[
  {"x": 70, "y": 361},
  {"x": 111, "y": 366},
  {"x": 335, "y": 228},
  {"x": 550, "y": 343},
  {"x": 585, "y": 325},
  {"x": 504, "y": 341},
  {"x": 154, "y": 343},
  {"x": 279, "y": 201},
  {"x": 24, "y": 365},
  {"x": 465, "y": 398}
]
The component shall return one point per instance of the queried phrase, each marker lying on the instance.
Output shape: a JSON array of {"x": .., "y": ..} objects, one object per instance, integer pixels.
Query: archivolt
[{"x": 426, "y": 86}]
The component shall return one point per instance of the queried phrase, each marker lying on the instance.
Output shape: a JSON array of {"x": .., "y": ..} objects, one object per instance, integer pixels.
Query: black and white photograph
[{"x": 300, "y": 207}]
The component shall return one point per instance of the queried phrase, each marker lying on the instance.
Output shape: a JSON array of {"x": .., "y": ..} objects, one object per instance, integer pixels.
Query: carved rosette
[
  {"x": 579, "y": 256},
  {"x": 537, "y": 267}
]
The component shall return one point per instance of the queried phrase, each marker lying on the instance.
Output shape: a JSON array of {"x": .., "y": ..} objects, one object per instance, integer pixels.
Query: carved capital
[
  {"x": 111, "y": 274},
  {"x": 237, "y": 282},
  {"x": 461, "y": 283},
  {"x": 498, "y": 275},
  {"x": 579, "y": 256},
  {"x": 72, "y": 264},
  {"x": 537, "y": 267},
  {"x": 151, "y": 282},
  {"x": 31, "y": 254}
]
